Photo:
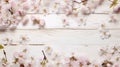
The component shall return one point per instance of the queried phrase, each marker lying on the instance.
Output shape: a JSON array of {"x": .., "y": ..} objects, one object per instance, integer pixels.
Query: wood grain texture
[
  {"x": 93, "y": 21},
  {"x": 79, "y": 39},
  {"x": 63, "y": 37}
]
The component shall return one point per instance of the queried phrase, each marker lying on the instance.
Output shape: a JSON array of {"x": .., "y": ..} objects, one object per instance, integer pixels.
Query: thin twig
[
  {"x": 45, "y": 58},
  {"x": 5, "y": 54}
]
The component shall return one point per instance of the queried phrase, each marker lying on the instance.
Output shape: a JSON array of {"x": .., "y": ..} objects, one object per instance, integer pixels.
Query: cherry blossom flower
[
  {"x": 76, "y": 61},
  {"x": 4, "y": 26},
  {"x": 42, "y": 23},
  {"x": 116, "y": 9},
  {"x": 25, "y": 21},
  {"x": 85, "y": 10},
  {"x": 12, "y": 13},
  {"x": 116, "y": 65},
  {"x": 113, "y": 19},
  {"x": 104, "y": 33}
]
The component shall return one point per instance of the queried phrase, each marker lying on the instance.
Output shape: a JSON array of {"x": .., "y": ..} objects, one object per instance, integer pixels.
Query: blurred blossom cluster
[
  {"x": 48, "y": 57},
  {"x": 13, "y": 12},
  {"x": 104, "y": 33}
]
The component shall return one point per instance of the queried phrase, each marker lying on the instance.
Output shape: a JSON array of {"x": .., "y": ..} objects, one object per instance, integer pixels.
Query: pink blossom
[
  {"x": 75, "y": 64},
  {"x": 4, "y": 26},
  {"x": 16, "y": 54},
  {"x": 13, "y": 26},
  {"x": 83, "y": 60},
  {"x": 67, "y": 59},
  {"x": 101, "y": 1},
  {"x": 85, "y": 10},
  {"x": 23, "y": 0},
  {"x": 26, "y": 7},
  {"x": 116, "y": 9},
  {"x": 28, "y": 63},
  {"x": 13, "y": 3},
  {"x": 116, "y": 65},
  {"x": 19, "y": 55},
  {"x": 21, "y": 60},
  {"x": 67, "y": 9},
  {"x": 25, "y": 21},
  {"x": 42, "y": 22}
]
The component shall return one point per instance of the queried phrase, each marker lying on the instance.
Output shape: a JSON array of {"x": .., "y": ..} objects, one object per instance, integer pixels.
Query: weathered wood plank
[
  {"x": 63, "y": 37},
  {"x": 93, "y": 21}
]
